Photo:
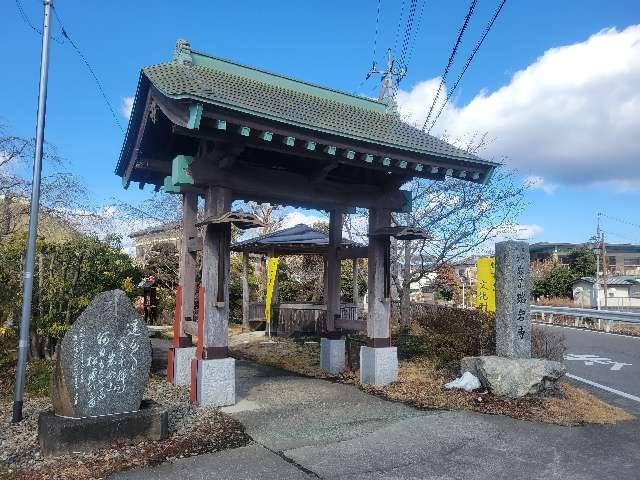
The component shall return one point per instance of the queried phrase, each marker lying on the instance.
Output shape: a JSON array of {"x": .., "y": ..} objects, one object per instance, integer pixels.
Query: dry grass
[{"x": 421, "y": 385}]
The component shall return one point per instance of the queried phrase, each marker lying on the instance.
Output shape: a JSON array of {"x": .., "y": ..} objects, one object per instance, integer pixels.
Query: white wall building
[{"x": 622, "y": 291}]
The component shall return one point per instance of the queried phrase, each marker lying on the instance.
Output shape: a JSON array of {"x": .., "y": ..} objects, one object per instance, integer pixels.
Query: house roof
[
  {"x": 614, "y": 280},
  {"x": 299, "y": 239},
  {"x": 163, "y": 227},
  {"x": 193, "y": 76},
  {"x": 546, "y": 247}
]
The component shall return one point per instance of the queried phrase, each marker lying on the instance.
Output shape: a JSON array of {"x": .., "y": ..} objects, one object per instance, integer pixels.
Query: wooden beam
[
  {"x": 362, "y": 147},
  {"x": 187, "y": 266},
  {"x": 332, "y": 294},
  {"x": 264, "y": 184},
  {"x": 136, "y": 148},
  {"x": 321, "y": 172},
  {"x": 305, "y": 152},
  {"x": 245, "y": 291},
  {"x": 379, "y": 285}
]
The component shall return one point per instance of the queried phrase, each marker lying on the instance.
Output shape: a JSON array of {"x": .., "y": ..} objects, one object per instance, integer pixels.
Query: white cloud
[
  {"x": 110, "y": 220},
  {"x": 519, "y": 232},
  {"x": 571, "y": 117},
  {"x": 539, "y": 183},
  {"x": 296, "y": 217},
  {"x": 126, "y": 106}
]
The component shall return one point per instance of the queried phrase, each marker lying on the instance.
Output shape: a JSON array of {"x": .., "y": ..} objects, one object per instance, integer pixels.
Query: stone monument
[
  {"x": 512, "y": 372},
  {"x": 98, "y": 383},
  {"x": 513, "y": 321}
]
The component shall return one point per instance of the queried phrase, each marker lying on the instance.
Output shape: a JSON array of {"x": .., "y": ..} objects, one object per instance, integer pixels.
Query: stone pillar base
[
  {"x": 181, "y": 365},
  {"x": 378, "y": 366},
  {"x": 332, "y": 355},
  {"x": 216, "y": 382}
]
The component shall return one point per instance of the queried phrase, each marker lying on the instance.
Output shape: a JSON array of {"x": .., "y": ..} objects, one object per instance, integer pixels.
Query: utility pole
[
  {"x": 387, "y": 92},
  {"x": 33, "y": 220}
]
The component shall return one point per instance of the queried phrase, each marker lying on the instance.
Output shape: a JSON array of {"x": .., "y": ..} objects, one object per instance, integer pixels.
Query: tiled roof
[
  {"x": 163, "y": 227},
  {"x": 295, "y": 103},
  {"x": 613, "y": 280},
  {"x": 300, "y": 234}
]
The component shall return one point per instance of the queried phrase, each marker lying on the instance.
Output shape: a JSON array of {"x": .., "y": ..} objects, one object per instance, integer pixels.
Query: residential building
[
  {"x": 620, "y": 259},
  {"x": 619, "y": 292},
  {"x": 145, "y": 239}
]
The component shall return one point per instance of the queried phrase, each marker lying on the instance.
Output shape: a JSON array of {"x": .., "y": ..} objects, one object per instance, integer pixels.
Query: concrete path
[{"x": 305, "y": 428}]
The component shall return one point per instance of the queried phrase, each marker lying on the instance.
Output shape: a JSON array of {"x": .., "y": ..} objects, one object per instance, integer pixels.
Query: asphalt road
[{"x": 608, "y": 360}]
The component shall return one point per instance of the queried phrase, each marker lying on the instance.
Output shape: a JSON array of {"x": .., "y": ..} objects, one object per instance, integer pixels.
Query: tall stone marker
[
  {"x": 513, "y": 321},
  {"x": 104, "y": 360},
  {"x": 99, "y": 380}
]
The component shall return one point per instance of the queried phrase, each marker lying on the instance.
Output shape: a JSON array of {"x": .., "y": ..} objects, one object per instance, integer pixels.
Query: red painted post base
[{"x": 193, "y": 394}]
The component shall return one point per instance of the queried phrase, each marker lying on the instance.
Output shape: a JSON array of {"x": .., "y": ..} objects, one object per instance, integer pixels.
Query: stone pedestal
[
  {"x": 378, "y": 366},
  {"x": 216, "y": 382},
  {"x": 332, "y": 355},
  {"x": 182, "y": 365},
  {"x": 60, "y": 435}
]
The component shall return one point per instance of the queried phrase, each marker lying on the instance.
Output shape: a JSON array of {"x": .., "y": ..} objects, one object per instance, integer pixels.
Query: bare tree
[
  {"x": 63, "y": 199},
  {"x": 461, "y": 218}
]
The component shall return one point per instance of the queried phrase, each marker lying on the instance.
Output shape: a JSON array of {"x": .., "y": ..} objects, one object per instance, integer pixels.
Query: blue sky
[{"x": 553, "y": 140}]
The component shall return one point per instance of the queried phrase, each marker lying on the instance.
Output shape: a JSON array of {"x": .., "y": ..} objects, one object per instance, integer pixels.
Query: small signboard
[
  {"x": 486, "y": 289},
  {"x": 271, "y": 281}
]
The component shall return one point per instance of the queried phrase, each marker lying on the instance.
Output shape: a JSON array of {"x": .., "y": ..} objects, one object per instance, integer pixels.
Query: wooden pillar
[
  {"x": 245, "y": 291},
  {"x": 354, "y": 269},
  {"x": 378, "y": 323},
  {"x": 215, "y": 277},
  {"x": 187, "y": 270},
  {"x": 332, "y": 296}
]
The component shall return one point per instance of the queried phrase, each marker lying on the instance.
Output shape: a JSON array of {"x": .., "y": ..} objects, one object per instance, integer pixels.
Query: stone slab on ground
[
  {"x": 332, "y": 355},
  {"x": 272, "y": 405},
  {"x": 378, "y": 366},
  {"x": 59, "y": 435},
  {"x": 514, "y": 377},
  {"x": 253, "y": 462},
  {"x": 103, "y": 361}
]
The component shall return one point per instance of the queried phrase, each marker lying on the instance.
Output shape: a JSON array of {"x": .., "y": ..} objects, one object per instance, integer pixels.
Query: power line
[
  {"x": 375, "y": 36},
  {"x": 408, "y": 30},
  {"x": 487, "y": 29},
  {"x": 620, "y": 220},
  {"x": 29, "y": 23},
  {"x": 65, "y": 34},
  {"x": 454, "y": 51},
  {"x": 375, "y": 44},
  {"x": 400, "y": 18},
  {"x": 417, "y": 31}
]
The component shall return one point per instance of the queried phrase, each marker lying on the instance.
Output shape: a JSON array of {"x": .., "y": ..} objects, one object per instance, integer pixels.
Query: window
[
  {"x": 632, "y": 262},
  {"x": 611, "y": 261}
]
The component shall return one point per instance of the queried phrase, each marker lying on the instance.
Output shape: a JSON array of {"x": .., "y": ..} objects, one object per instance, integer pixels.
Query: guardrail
[{"x": 581, "y": 314}]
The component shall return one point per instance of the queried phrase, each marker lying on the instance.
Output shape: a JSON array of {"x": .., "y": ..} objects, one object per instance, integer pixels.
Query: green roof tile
[{"x": 234, "y": 86}]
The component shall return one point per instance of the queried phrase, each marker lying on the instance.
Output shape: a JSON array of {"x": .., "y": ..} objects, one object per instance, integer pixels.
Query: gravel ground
[{"x": 193, "y": 431}]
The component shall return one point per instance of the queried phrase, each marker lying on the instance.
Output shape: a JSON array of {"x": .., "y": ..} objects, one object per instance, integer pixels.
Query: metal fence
[{"x": 586, "y": 316}]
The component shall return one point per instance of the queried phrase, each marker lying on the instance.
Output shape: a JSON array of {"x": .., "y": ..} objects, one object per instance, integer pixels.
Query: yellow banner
[
  {"x": 271, "y": 281},
  {"x": 486, "y": 290}
]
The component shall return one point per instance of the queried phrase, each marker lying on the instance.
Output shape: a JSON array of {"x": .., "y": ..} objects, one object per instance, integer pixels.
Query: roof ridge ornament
[{"x": 182, "y": 53}]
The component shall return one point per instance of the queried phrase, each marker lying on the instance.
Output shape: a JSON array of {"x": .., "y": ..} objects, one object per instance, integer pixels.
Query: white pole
[{"x": 27, "y": 295}]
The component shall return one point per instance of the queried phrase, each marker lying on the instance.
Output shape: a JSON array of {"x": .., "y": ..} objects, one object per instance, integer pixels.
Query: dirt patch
[
  {"x": 421, "y": 385},
  {"x": 194, "y": 431}
]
